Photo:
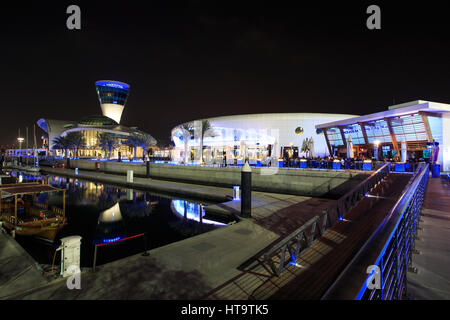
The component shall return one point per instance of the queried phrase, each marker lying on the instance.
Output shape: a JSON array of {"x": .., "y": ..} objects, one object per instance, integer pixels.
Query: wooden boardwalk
[{"x": 319, "y": 265}]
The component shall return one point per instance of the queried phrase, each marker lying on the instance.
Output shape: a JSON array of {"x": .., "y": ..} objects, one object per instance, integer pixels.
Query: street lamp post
[{"x": 20, "y": 139}]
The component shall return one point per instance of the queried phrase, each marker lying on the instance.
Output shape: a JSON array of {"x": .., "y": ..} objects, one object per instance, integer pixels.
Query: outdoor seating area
[{"x": 338, "y": 163}]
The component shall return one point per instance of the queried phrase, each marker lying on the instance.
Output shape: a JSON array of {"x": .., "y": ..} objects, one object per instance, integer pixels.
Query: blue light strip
[
  {"x": 383, "y": 251},
  {"x": 113, "y": 84},
  {"x": 111, "y": 239}
]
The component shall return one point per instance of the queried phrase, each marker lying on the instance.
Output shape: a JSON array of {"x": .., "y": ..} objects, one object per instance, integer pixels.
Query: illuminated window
[
  {"x": 377, "y": 130},
  {"x": 409, "y": 128},
  {"x": 355, "y": 132},
  {"x": 334, "y": 136}
]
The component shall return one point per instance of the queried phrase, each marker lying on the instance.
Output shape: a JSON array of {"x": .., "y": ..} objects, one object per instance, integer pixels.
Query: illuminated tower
[{"x": 113, "y": 96}]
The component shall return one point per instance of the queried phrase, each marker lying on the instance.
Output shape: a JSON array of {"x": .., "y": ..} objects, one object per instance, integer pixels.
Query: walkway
[
  {"x": 432, "y": 281},
  {"x": 225, "y": 263},
  {"x": 319, "y": 266},
  {"x": 19, "y": 272},
  {"x": 191, "y": 268}
]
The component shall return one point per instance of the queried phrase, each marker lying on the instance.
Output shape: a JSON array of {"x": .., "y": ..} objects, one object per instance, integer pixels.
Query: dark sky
[{"x": 189, "y": 60}]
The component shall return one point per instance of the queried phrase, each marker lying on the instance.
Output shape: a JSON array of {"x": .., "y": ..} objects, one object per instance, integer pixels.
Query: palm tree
[
  {"x": 205, "y": 126},
  {"x": 76, "y": 141},
  {"x": 142, "y": 140},
  {"x": 107, "y": 142},
  {"x": 61, "y": 143},
  {"x": 186, "y": 130},
  {"x": 305, "y": 146},
  {"x": 134, "y": 141}
]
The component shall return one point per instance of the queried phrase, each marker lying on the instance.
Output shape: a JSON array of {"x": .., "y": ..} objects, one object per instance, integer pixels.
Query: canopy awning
[
  {"x": 15, "y": 185},
  {"x": 29, "y": 189}
]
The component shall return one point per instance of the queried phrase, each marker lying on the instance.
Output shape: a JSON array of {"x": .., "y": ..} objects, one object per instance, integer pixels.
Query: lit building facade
[
  {"x": 258, "y": 137},
  {"x": 91, "y": 127},
  {"x": 113, "y": 96},
  {"x": 404, "y": 131}
]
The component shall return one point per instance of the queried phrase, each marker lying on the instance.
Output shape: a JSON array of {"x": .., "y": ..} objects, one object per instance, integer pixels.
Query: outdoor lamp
[{"x": 20, "y": 142}]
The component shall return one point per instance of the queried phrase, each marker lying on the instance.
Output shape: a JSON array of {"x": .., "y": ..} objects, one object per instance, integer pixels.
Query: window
[
  {"x": 409, "y": 128},
  {"x": 334, "y": 136},
  {"x": 355, "y": 132},
  {"x": 377, "y": 130}
]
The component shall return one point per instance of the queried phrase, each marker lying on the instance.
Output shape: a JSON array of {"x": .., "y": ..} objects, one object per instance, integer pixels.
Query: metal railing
[
  {"x": 295, "y": 243},
  {"x": 292, "y": 245},
  {"x": 351, "y": 198},
  {"x": 378, "y": 270}
]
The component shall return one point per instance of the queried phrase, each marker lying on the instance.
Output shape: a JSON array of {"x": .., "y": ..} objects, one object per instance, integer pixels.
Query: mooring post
[
  {"x": 246, "y": 186},
  {"x": 145, "y": 245},
  {"x": 147, "y": 163},
  {"x": 95, "y": 258}
]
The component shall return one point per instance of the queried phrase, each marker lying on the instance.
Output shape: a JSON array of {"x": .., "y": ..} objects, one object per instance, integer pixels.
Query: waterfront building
[
  {"x": 404, "y": 131},
  {"x": 112, "y": 96},
  {"x": 258, "y": 137}
]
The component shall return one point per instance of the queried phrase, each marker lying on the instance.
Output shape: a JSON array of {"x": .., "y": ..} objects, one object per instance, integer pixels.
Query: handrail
[
  {"x": 299, "y": 240},
  {"x": 348, "y": 200},
  {"x": 400, "y": 225},
  {"x": 303, "y": 240}
]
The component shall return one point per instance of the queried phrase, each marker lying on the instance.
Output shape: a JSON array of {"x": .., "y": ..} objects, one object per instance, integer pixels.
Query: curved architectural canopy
[
  {"x": 256, "y": 136},
  {"x": 97, "y": 120}
]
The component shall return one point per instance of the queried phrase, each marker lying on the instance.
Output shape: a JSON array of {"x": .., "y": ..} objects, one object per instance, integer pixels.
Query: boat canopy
[{"x": 29, "y": 189}]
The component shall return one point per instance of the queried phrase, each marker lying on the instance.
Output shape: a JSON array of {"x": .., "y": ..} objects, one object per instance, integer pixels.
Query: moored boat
[{"x": 24, "y": 213}]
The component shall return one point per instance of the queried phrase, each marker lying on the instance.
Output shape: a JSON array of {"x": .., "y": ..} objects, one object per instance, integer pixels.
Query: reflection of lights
[
  {"x": 111, "y": 240},
  {"x": 295, "y": 264},
  {"x": 112, "y": 214},
  {"x": 236, "y": 193},
  {"x": 193, "y": 210}
]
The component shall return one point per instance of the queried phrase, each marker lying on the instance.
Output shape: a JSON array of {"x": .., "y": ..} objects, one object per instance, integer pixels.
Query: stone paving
[{"x": 19, "y": 272}]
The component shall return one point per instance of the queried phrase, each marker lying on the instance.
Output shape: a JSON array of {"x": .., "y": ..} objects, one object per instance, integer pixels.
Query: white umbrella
[
  {"x": 350, "y": 154},
  {"x": 312, "y": 152},
  {"x": 242, "y": 150}
]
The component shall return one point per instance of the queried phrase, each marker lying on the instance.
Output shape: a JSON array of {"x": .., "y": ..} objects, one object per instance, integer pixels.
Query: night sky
[{"x": 190, "y": 60}]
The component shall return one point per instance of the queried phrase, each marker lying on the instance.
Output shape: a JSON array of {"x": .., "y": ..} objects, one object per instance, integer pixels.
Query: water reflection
[
  {"x": 193, "y": 211},
  {"x": 105, "y": 214},
  {"x": 110, "y": 226}
]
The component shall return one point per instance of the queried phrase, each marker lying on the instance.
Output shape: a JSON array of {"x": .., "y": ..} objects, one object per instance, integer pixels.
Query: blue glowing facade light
[
  {"x": 106, "y": 240},
  {"x": 113, "y": 92}
]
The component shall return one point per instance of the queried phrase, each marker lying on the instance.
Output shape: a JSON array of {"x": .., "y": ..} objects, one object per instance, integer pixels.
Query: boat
[
  {"x": 25, "y": 168},
  {"x": 23, "y": 213},
  {"x": 7, "y": 179}
]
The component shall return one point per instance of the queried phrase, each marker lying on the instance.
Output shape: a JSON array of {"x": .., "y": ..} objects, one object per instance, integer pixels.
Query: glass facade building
[
  {"x": 113, "y": 96},
  {"x": 402, "y": 132},
  {"x": 112, "y": 92}
]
